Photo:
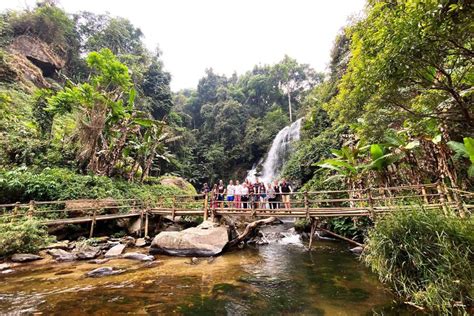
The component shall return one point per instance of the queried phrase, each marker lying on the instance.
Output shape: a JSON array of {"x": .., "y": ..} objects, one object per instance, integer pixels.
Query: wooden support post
[
  {"x": 462, "y": 210},
  {"x": 173, "y": 211},
  {"x": 141, "y": 223},
  {"x": 31, "y": 209},
  {"x": 91, "y": 233},
  {"x": 442, "y": 198},
  {"x": 314, "y": 224},
  {"x": 146, "y": 223},
  {"x": 306, "y": 204},
  {"x": 205, "y": 206}
]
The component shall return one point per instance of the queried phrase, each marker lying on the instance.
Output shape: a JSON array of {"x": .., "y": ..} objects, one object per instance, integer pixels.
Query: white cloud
[{"x": 227, "y": 35}]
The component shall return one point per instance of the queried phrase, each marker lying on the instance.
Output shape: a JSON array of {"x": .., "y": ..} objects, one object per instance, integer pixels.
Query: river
[{"x": 279, "y": 278}]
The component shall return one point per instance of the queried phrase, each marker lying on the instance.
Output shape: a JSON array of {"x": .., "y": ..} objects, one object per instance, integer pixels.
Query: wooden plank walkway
[{"x": 319, "y": 204}]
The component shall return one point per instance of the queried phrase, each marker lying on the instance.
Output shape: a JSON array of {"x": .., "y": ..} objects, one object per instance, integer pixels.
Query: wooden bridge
[{"x": 370, "y": 202}]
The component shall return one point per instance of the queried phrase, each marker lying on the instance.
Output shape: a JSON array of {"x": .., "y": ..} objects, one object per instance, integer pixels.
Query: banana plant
[
  {"x": 464, "y": 150},
  {"x": 345, "y": 164}
]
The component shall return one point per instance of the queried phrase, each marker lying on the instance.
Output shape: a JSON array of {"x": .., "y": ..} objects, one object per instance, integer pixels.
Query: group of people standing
[{"x": 250, "y": 195}]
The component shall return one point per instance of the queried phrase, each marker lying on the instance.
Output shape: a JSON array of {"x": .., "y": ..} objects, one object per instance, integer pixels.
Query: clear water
[{"x": 275, "y": 279}]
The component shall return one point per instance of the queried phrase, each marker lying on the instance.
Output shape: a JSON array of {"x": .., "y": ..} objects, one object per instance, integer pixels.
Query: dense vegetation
[
  {"x": 398, "y": 95},
  {"x": 395, "y": 108},
  {"x": 425, "y": 256}
]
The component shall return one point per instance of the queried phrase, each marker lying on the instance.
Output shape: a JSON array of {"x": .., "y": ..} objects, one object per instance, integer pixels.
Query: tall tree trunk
[{"x": 289, "y": 106}]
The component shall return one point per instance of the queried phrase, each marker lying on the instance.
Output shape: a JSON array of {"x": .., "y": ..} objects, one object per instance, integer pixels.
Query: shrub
[
  {"x": 425, "y": 256},
  {"x": 22, "y": 185},
  {"x": 26, "y": 235}
]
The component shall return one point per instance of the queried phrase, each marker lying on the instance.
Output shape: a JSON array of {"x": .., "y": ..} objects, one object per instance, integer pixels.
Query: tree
[
  {"x": 294, "y": 77},
  {"x": 407, "y": 58}
]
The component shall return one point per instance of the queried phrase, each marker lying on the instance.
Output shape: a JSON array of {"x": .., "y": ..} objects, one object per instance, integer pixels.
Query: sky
[{"x": 227, "y": 35}]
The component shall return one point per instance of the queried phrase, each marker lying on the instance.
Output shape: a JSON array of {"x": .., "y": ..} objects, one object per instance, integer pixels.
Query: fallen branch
[
  {"x": 249, "y": 229},
  {"x": 341, "y": 237}
]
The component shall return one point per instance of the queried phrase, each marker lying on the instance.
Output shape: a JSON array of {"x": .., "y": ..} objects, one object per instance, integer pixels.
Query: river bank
[{"x": 280, "y": 277}]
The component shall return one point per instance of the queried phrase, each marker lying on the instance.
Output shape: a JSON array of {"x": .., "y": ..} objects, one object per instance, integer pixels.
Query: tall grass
[{"x": 425, "y": 256}]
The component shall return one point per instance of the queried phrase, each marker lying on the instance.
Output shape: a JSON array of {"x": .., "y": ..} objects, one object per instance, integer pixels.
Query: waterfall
[{"x": 278, "y": 154}]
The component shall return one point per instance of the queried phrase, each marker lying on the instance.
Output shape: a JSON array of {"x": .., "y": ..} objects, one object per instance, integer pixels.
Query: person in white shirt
[
  {"x": 230, "y": 193},
  {"x": 238, "y": 194}
]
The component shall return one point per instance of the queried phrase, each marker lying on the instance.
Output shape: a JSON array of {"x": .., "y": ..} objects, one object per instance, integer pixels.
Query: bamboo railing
[{"x": 330, "y": 203}]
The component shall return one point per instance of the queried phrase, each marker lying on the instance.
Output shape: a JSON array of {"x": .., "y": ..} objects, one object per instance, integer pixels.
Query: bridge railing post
[
  {"x": 31, "y": 208},
  {"x": 442, "y": 198},
  {"x": 370, "y": 201},
  {"x": 306, "y": 204}
]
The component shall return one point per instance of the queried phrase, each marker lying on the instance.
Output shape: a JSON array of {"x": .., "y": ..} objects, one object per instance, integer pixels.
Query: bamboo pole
[
  {"x": 306, "y": 204},
  {"x": 173, "y": 210},
  {"x": 314, "y": 223},
  {"x": 442, "y": 198},
  {"x": 341, "y": 237},
  {"x": 146, "y": 223},
  {"x": 91, "y": 233},
  {"x": 31, "y": 209},
  {"x": 205, "y": 206}
]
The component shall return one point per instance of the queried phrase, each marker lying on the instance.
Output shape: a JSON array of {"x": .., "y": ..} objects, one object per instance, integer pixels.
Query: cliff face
[
  {"x": 28, "y": 60},
  {"x": 38, "y": 52}
]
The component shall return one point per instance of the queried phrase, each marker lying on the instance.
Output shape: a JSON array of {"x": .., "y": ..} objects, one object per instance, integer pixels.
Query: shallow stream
[{"x": 279, "y": 278}]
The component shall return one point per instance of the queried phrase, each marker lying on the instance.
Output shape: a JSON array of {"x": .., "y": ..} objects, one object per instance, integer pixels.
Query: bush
[
  {"x": 425, "y": 256},
  {"x": 22, "y": 185},
  {"x": 27, "y": 235}
]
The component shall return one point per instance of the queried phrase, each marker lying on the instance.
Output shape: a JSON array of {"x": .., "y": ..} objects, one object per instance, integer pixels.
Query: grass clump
[
  {"x": 23, "y": 236},
  {"x": 425, "y": 256}
]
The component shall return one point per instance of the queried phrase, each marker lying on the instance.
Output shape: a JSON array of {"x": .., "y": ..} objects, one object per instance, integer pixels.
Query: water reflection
[{"x": 268, "y": 280}]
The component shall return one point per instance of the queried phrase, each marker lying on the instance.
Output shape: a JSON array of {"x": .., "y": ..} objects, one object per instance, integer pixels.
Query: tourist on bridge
[
  {"x": 271, "y": 196},
  {"x": 221, "y": 193},
  {"x": 263, "y": 195},
  {"x": 230, "y": 193},
  {"x": 205, "y": 189},
  {"x": 245, "y": 195},
  {"x": 277, "y": 199},
  {"x": 214, "y": 194},
  {"x": 285, "y": 190},
  {"x": 238, "y": 194}
]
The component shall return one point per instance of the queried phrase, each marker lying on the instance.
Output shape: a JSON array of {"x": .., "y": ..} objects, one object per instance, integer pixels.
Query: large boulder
[{"x": 207, "y": 239}]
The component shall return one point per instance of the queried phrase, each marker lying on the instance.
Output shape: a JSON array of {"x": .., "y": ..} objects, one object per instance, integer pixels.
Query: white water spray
[{"x": 278, "y": 153}]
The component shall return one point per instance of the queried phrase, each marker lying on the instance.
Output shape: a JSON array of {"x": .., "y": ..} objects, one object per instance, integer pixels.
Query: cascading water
[{"x": 278, "y": 153}]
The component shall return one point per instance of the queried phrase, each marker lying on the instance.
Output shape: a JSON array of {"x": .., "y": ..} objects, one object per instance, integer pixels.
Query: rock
[
  {"x": 173, "y": 228},
  {"x": 103, "y": 271},
  {"x": 62, "y": 255},
  {"x": 18, "y": 69},
  {"x": 58, "y": 245},
  {"x": 138, "y": 256},
  {"x": 86, "y": 252},
  {"x": 140, "y": 242},
  {"x": 128, "y": 240},
  {"x": 135, "y": 226},
  {"x": 179, "y": 183},
  {"x": 5, "y": 266},
  {"x": 98, "y": 261},
  {"x": 207, "y": 239},
  {"x": 115, "y": 251},
  {"x": 357, "y": 250},
  {"x": 25, "y": 257},
  {"x": 38, "y": 52},
  {"x": 8, "y": 271}
]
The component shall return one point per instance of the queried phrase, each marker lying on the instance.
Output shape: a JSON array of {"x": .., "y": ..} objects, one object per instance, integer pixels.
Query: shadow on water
[{"x": 268, "y": 280}]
